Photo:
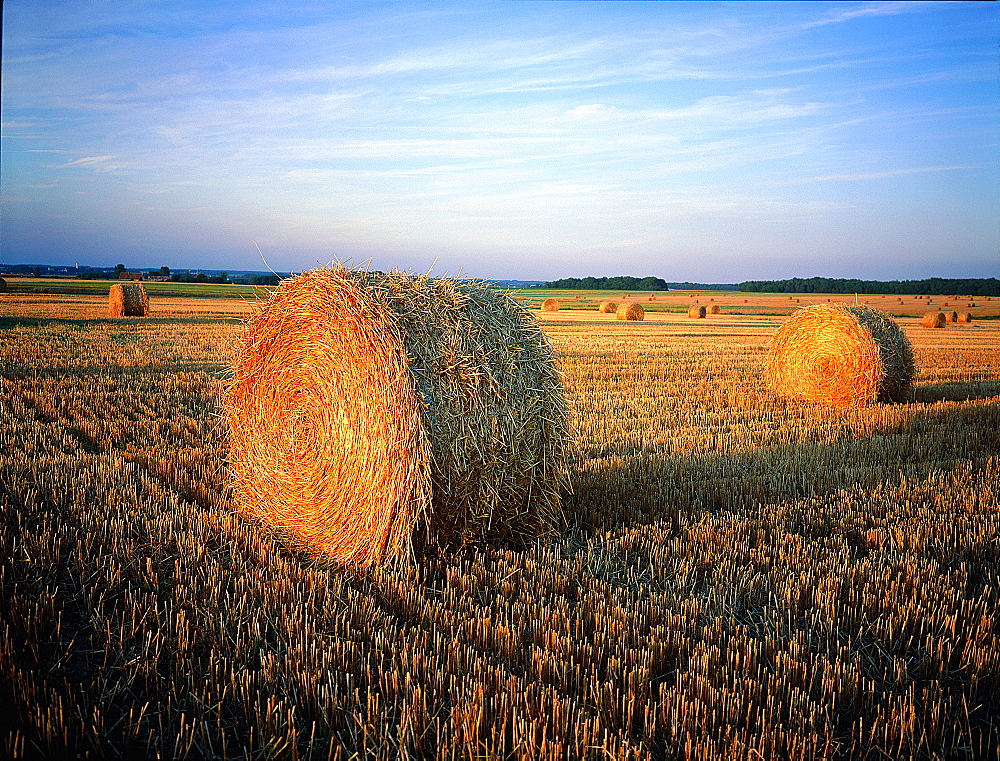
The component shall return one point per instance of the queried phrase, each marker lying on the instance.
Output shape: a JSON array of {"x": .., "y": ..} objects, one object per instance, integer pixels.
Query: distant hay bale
[
  {"x": 964, "y": 317},
  {"x": 128, "y": 300},
  {"x": 608, "y": 307},
  {"x": 550, "y": 305},
  {"x": 371, "y": 415},
  {"x": 841, "y": 356},
  {"x": 696, "y": 312},
  {"x": 3, "y": 285},
  {"x": 933, "y": 320},
  {"x": 951, "y": 316},
  {"x": 714, "y": 309},
  {"x": 631, "y": 311}
]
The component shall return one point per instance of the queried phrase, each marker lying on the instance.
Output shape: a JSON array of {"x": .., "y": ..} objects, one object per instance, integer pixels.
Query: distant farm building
[{"x": 130, "y": 276}]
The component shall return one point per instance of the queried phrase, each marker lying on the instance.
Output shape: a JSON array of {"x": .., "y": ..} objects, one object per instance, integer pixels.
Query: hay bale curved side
[
  {"x": 714, "y": 309},
  {"x": 550, "y": 305},
  {"x": 841, "y": 356},
  {"x": 631, "y": 311},
  {"x": 951, "y": 316},
  {"x": 965, "y": 317},
  {"x": 3, "y": 285},
  {"x": 696, "y": 312},
  {"x": 128, "y": 300},
  {"x": 371, "y": 414},
  {"x": 608, "y": 307},
  {"x": 933, "y": 320}
]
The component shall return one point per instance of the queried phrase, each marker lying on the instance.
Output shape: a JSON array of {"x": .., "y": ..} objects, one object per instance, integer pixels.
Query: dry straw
[
  {"x": 951, "y": 316},
  {"x": 714, "y": 309},
  {"x": 933, "y": 320},
  {"x": 964, "y": 317},
  {"x": 374, "y": 414},
  {"x": 631, "y": 311},
  {"x": 696, "y": 312},
  {"x": 550, "y": 305},
  {"x": 128, "y": 300},
  {"x": 608, "y": 307},
  {"x": 841, "y": 356}
]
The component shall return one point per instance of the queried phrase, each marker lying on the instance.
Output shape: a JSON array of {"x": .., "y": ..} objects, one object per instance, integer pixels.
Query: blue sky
[{"x": 705, "y": 141}]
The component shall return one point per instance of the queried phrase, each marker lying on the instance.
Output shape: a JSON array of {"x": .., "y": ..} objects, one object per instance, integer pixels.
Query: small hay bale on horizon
[
  {"x": 608, "y": 307},
  {"x": 631, "y": 311},
  {"x": 373, "y": 415},
  {"x": 933, "y": 320},
  {"x": 696, "y": 312},
  {"x": 549, "y": 305},
  {"x": 841, "y": 356},
  {"x": 128, "y": 300}
]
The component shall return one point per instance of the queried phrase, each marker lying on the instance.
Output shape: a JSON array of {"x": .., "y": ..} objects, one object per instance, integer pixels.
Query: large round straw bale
[
  {"x": 631, "y": 311},
  {"x": 128, "y": 300},
  {"x": 842, "y": 356},
  {"x": 550, "y": 305},
  {"x": 696, "y": 312},
  {"x": 933, "y": 320},
  {"x": 3, "y": 285},
  {"x": 951, "y": 316},
  {"x": 964, "y": 317},
  {"x": 608, "y": 307},
  {"x": 714, "y": 309},
  {"x": 374, "y": 414}
]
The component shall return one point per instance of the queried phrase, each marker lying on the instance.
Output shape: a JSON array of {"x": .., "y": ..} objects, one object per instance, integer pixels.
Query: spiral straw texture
[
  {"x": 631, "y": 311},
  {"x": 374, "y": 414},
  {"x": 608, "y": 307},
  {"x": 841, "y": 356}
]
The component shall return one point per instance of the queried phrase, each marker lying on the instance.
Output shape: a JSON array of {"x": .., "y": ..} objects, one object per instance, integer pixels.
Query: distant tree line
[
  {"x": 934, "y": 286},
  {"x": 621, "y": 283}
]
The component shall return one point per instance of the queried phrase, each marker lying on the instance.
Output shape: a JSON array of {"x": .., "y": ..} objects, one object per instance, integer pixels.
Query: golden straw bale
[
  {"x": 128, "y": 300},
  {"x": 714, "y": 309},
  {"x": 3, "y": 285},
  {"x": 841, "y": 356},
  {"x": 933, "y": 320},
  {"x": 550, "y": 305},
  {"x": 608, "y": 307},
  {"x": 964, "y": 317},
  {"x": 696, "y": 312},
  {"x": 631, "y": 311},
  {"x": 372, "y": 415},
  {"x": 951, "y": 316}
]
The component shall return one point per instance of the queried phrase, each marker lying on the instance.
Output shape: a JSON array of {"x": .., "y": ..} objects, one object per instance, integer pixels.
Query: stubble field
[{"x": 739, "y": 576}]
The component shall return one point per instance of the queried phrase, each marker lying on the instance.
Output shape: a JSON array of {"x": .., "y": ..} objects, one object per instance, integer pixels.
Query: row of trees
[
  {"x": 934, "y": 286},
  {"x": 621, "y": 283}
]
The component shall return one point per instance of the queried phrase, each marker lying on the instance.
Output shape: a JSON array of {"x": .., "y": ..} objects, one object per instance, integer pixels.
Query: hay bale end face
[
  {"x": 964, "y": 317},
  {"x": 3, "y": 285},
  {"x": 550, "y": 305},
  {"x": 951, "y": 316},
  {"x": 696, "y": 312},
  {"x": 841, "y": 356},
  {"x": 933, "y": 320},
  {"x": 631, "y": 311},
  {"x": 714, "y": 309},
  {"x": 371, "y": 415},
  {"x": 128, "y": 300},
  {"x": 608, "y": 307}
]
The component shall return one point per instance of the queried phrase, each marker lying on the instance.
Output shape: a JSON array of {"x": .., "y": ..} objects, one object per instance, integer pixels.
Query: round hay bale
[
  {"x": 951, "y": 316},
  {"x": 933, "y": 320},
  {"x": 696, "y": 312},
  {"x": 550, "y": 305},
  {"x": 371, "y": 415},
  {"x": 964, "y": 317},
  {"x": 841, "y": 356},
  {"x": 631, "y": 311},
  {"x": 3, "y": 285},
  {"x": 128, "y": 300},
  {"x": 714, "y": 309},
  {"x": 608, "y": 307}
]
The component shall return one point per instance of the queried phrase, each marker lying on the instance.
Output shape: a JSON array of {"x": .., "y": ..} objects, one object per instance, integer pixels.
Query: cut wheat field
[{"x": 739, "y": 576}]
